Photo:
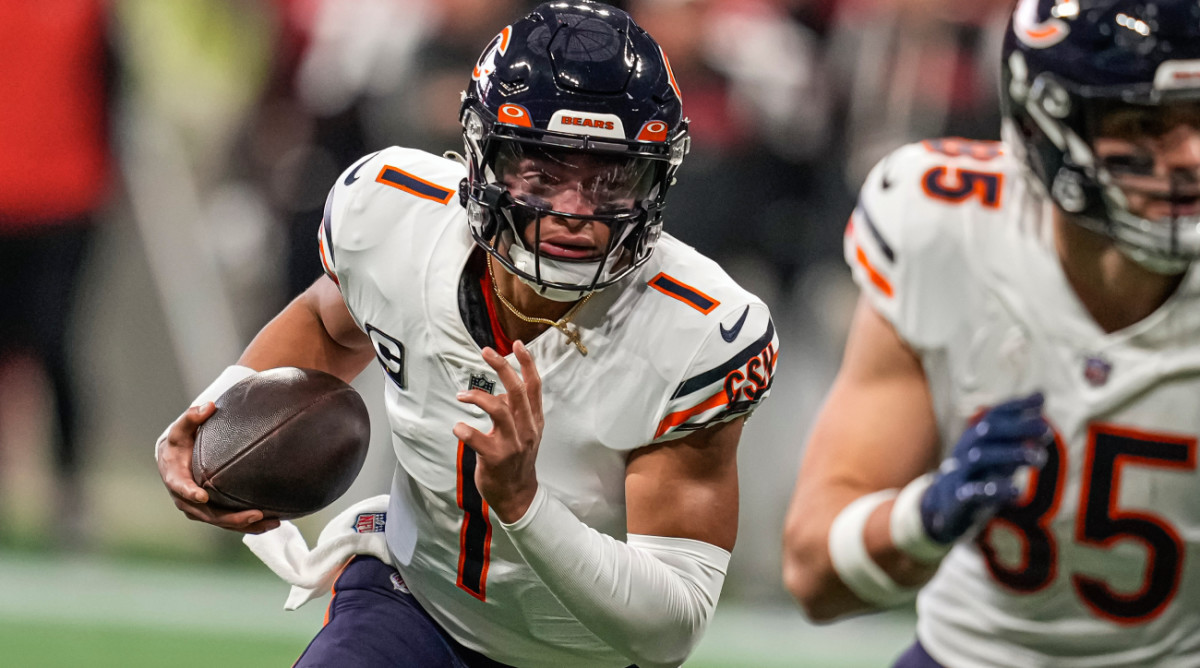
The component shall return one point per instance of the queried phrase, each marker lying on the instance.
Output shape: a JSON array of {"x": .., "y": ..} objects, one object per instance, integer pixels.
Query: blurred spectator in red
[{"x": 55, "y": 169}]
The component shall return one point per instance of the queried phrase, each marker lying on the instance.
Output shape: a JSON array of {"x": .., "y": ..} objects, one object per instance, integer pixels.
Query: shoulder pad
[
  {"x": 380, "y": 191},
  {"x": 905, "y": 241},
  {"x": 723, "y": 342}
]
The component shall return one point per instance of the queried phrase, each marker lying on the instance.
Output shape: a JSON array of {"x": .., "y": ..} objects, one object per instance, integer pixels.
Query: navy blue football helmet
[
  {"x": 571, "y": 82},
  {"x": 1075, "y": 70}
]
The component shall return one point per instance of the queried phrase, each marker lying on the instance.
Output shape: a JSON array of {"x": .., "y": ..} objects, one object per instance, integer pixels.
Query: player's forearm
[
  {"x": 809, "y": 572},
  {"x": 650, "y": 599},
  {"x": 299, "y": 337}
]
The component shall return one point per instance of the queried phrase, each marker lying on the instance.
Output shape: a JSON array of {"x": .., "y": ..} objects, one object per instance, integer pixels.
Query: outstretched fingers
[
  {"x": 487, "y": 444},
  {"x": 483, "y": 444},
  {"x": 517, "y": 420},
  {"x": 517, "y": 389},
  {"x": 533, "y": 384}
]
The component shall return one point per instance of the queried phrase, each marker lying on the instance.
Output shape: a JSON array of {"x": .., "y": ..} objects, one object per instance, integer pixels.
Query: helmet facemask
[
  {"x": 1154, "y": 208},
  {"x": 534, "y": 198},
  {"x": 571, "y": 222}
]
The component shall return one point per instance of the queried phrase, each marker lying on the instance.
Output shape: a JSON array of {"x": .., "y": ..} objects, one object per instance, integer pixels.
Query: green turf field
[
  {"x": 57, "y": 612},
  {"x": 46, "y": 644}
]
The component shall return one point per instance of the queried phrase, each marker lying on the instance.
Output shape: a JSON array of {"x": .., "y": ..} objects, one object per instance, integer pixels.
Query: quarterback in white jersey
[
  {"x": 1030, "y": 318},
  {"x": 657, "y": 367},
  {"x": 571, "y": 501}
]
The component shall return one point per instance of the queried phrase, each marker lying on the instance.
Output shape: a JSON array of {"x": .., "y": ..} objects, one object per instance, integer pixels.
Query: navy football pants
[{"x": 373, "y": 623}]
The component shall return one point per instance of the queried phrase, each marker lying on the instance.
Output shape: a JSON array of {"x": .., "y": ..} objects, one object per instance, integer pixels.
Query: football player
[
  {"x": 1013, "y": 428},
  {"x": 566, "y": 385}
]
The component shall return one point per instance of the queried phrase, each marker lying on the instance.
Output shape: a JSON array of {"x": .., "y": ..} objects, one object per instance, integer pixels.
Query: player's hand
[
  {"x": 977, "y": 479},
  {"x": 505, "y": 456},
  {"x": 174, "y": 456}
]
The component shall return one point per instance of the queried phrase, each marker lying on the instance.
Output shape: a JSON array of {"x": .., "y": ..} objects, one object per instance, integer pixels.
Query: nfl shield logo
[
  {"x": 398, "y": 583},
  {"x": 1096, "y": 370},
  {"x": 370, "y": 522},
  {"x": 481, "y": 382}
]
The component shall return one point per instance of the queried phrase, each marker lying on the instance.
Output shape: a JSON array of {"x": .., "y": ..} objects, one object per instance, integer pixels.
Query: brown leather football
[{"x": 285, "y": 441}]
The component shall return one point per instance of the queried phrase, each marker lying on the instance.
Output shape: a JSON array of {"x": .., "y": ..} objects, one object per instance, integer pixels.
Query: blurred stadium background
[{"x": 227, "y": 122}]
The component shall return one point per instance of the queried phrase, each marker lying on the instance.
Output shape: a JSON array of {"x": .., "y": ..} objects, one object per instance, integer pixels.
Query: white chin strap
[{"x": 557, "y": 271}]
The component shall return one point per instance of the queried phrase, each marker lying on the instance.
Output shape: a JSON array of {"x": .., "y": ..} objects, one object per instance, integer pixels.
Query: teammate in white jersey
[
  {"x": 1029, "y": 318},
  {"x": 571, "y": 501}
]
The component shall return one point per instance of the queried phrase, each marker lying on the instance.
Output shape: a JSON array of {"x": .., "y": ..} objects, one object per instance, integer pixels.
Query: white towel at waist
[{"x": 356, "y": 530}]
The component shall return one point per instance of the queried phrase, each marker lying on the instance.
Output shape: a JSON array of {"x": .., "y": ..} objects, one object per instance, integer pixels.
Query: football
[{"x": 285, "y": 441}]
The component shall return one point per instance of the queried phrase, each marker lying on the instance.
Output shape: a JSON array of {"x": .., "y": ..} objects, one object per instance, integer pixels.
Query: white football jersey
[
  {"x": 1098, "y": 565},
  {"x": 673, "y": 348}
]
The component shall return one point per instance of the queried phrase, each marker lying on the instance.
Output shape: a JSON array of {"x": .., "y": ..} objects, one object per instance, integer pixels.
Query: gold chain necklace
[{"x": 561, "y": 325}]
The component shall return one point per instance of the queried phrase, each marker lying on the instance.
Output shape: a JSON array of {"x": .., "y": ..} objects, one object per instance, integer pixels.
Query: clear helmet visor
[
  {"x": 573, "y": 183},
  {"x": 572, "y": 222},
  {"x": 1148, "y": 162}
]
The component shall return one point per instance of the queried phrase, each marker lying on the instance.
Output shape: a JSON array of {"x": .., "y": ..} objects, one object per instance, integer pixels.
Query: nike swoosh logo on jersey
[
  {"x": 353, "y": 175},
  {"x": 730, "y": 334}
]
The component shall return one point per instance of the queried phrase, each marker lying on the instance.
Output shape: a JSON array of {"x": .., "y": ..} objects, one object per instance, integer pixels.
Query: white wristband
[
  {"x": 853, "y": 564},
  {"x": 908, "y": 531},
  {"x": 231, "y": 376}
]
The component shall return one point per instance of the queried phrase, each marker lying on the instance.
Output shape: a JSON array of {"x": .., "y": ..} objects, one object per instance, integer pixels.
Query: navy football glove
[{"x": 977, "y": 479}]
